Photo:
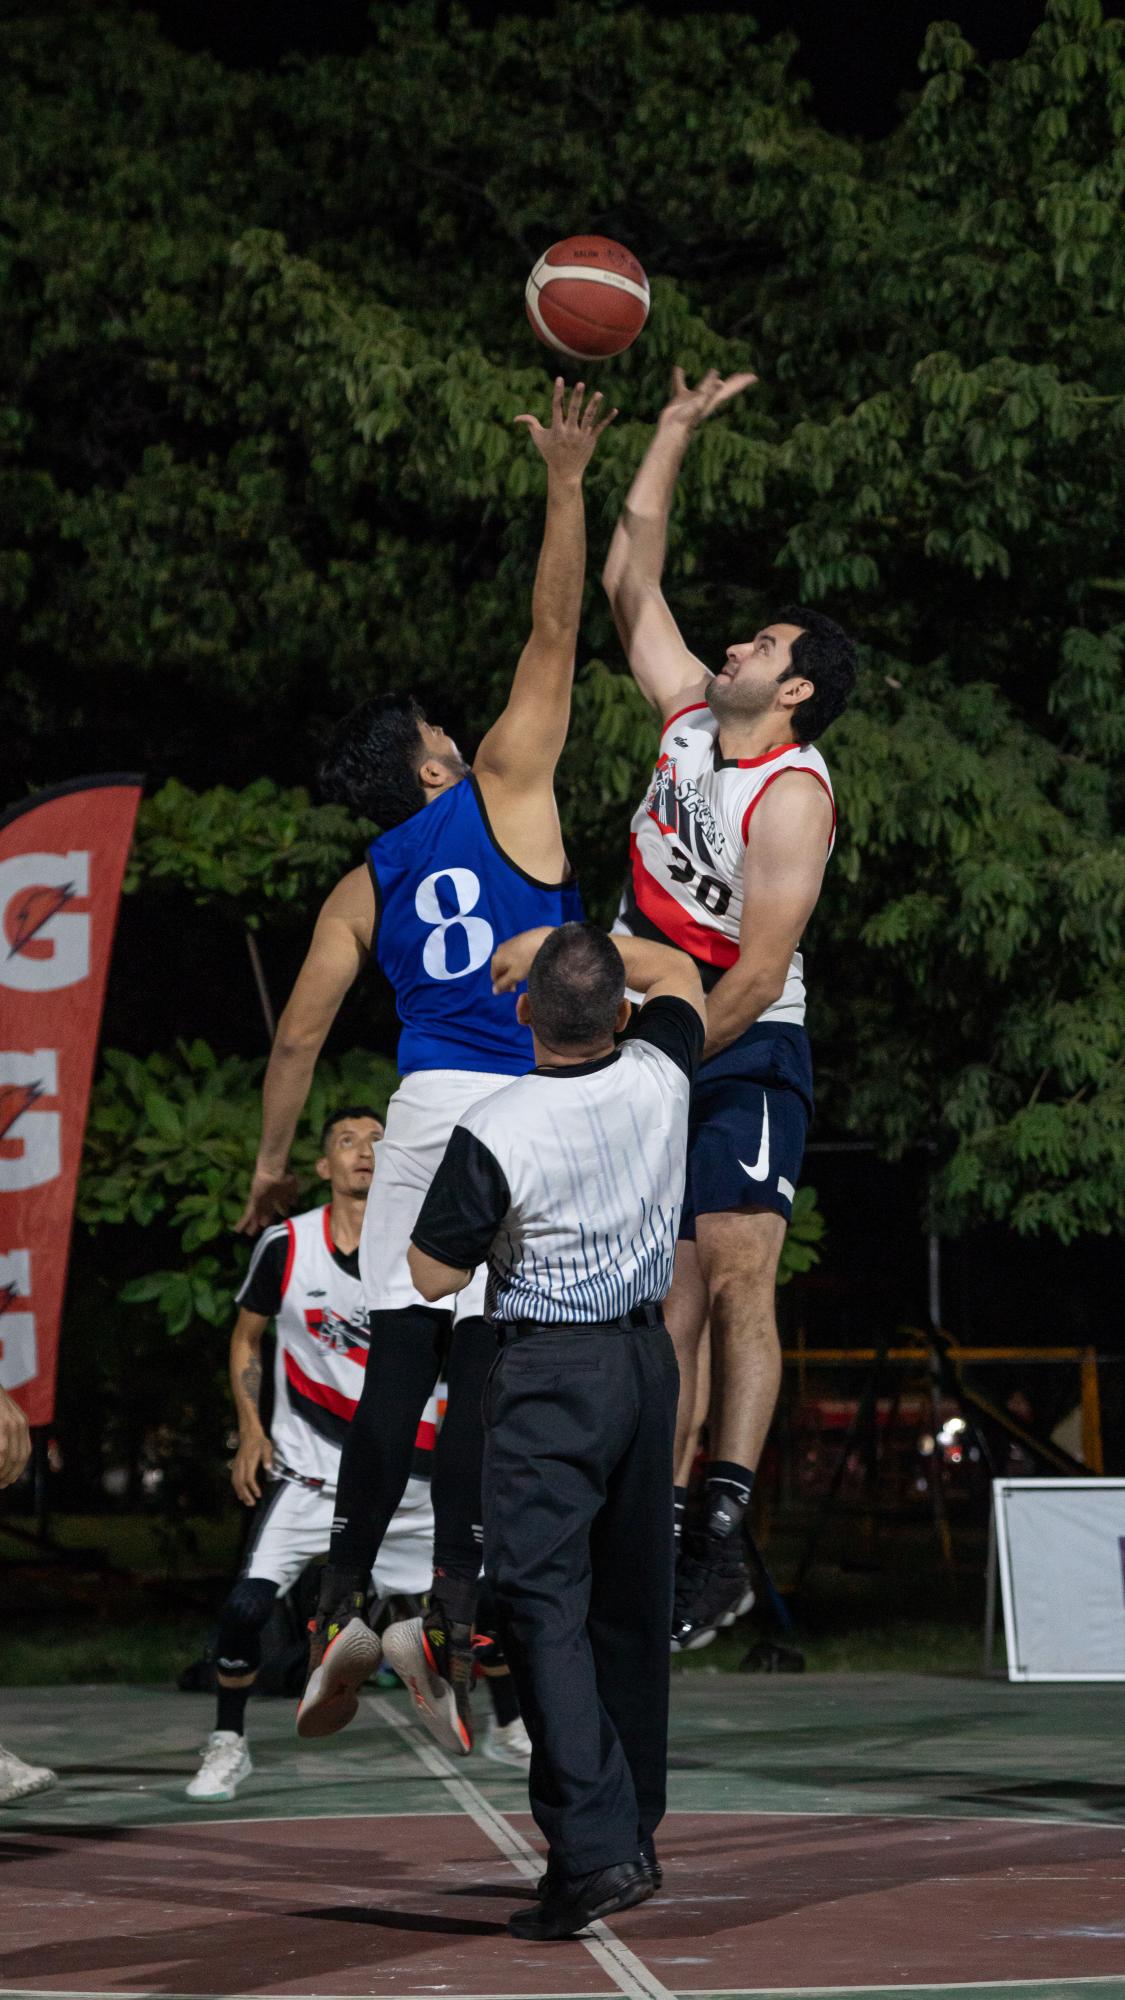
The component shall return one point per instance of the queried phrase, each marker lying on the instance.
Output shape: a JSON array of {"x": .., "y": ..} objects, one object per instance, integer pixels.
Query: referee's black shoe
[
  {"x": 713, "y": 1588},
  {"x": 578, "y": 1900},
  {"x": 551, "y": 1877}
]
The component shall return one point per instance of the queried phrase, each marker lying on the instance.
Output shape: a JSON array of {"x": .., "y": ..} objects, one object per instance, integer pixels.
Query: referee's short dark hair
[{"x": 575, "y": 987}]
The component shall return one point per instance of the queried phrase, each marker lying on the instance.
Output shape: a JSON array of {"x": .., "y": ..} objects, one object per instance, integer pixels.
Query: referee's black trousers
[{"x": 579, "y": 1430}]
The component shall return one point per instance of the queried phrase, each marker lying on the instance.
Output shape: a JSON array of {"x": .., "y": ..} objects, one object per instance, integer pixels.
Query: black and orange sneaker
[
  {"x": 343, "y": 1653},
  {"x": 413, "y": 1656}
]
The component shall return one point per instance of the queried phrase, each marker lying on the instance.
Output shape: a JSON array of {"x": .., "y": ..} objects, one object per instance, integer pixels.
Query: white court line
[
  {"x": 628, "y": 1973},
  {"x": 1011, "y": 1988}
]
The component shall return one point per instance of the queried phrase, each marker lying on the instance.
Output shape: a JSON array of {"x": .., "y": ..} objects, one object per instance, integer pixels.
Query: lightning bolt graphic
[{"x": 37, "y": 909}]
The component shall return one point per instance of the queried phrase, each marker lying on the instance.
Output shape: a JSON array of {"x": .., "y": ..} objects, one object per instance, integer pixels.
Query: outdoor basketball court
[{"x": 867, "y": 1835}]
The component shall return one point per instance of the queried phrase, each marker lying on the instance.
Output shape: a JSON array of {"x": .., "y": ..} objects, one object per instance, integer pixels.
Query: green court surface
[{"x": 869, "y": 1835}]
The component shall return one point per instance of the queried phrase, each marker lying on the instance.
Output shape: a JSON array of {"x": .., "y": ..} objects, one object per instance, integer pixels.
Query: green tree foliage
[
  {"x": 261, "y": 351},
  {"x": 170, "y": 1147}
]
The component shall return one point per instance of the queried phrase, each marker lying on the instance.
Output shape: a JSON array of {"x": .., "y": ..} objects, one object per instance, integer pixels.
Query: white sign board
[{"x": 1061, "y": 1549}]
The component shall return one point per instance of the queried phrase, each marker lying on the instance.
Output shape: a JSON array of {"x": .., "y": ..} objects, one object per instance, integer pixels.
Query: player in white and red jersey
[
  {"x": 304, "y": 1276},
  {"x": 727, "y": 856}
]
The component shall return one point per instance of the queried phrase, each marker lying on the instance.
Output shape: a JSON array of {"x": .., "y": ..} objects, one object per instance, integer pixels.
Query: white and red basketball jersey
[
  {"x": 322, "y": 1346},
  {"x": 688, "y": 841}
]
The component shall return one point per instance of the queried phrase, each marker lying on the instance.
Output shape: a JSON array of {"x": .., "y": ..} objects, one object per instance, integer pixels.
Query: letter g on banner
[{"x": 44, "y": 945}]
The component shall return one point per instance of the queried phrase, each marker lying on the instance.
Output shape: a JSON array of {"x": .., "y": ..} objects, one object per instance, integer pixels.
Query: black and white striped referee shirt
[{"x": 570, "y": 1181}]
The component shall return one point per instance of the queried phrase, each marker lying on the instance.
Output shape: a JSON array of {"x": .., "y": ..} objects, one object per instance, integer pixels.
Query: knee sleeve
[{"x": 245, "y": 1612}]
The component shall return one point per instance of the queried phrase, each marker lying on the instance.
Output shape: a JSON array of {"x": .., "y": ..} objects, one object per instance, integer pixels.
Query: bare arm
[
  {"x": 667, "y": 673},
  {"x": 520, "y": 751},
  {"x": 338, "y": 951},
  {"x": 255, "y": 1452},
  {"x": 650, "y": 968},
  {"x": 15, "y": 1440},
  {"x": 433, "y": 1279},
  {"x": 781, "y": 877}
]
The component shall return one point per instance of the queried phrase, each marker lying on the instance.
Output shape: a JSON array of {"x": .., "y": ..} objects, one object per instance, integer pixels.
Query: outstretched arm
[
  {"x": 338, "y": 951},
  {"x": 520, "y": 751},
  {"x": 781, "y": 878},
  {"x": 667, "y": 673},
  {"x": 650, "y": 968}
]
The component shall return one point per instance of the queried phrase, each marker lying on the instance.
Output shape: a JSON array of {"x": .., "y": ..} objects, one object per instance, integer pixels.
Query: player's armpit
[{"x": 786, "y": 850}]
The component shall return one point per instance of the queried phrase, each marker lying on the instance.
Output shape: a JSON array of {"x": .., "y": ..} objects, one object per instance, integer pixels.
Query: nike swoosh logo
[{"x": 761, "y": 1166}]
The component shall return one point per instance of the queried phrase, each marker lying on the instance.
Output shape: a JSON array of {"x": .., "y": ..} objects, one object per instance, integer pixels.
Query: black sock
[
  {"x": 505, "y": 1702},
  {"x": 459, "y": 1452},
  {"x": 726, "y": 1497},
  {"x": 230, "y": 1712},
  {"x": 679, "y": 1502}
]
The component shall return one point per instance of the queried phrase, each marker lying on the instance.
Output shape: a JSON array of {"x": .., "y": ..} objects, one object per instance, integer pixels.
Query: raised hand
[
  {"x": 688, "y": 408},
  {"x": 271, "y": 1196},
  {"x": 511, "y": 961},
  {"x": 567, "y": 442}
]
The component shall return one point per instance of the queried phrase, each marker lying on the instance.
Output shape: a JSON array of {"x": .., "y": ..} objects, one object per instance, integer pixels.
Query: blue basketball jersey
[{"x": 446, "y": 895}]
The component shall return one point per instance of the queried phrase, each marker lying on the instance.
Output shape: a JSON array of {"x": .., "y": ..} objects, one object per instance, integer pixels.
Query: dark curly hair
[
  {"x": 373, "y": 758},
  {"x": 827, "y": 657}
]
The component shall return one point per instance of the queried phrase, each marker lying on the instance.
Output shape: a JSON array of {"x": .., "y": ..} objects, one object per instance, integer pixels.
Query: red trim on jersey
[
  {"x": 689, "y": 710},
  {"x": 426, "y": 1438},
  {"x": 801, "y": 770},
  {"x": 767, "y": 757},
  {"x": 327, "y": 1214},
  {"x": 679, "y": 927},
  {"x": 319, "y": 1392},
  {"x": 290, "y": 1254}
]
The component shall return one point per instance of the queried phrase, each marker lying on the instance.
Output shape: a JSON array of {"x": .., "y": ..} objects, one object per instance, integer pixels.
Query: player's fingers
[
  {"x": 557, "y": 395},
  {"x": 679, "y": 382},
  {"x": 574, "y": 410},
  {"x": 605, "y": 423},
  {"x": 533, "y": 423},
  {"x": 590, "y": 413},
  {"x": 733, "y": 386}
]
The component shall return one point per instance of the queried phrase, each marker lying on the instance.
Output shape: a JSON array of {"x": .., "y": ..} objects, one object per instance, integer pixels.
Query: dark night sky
[{"x": 858, "y": 55}]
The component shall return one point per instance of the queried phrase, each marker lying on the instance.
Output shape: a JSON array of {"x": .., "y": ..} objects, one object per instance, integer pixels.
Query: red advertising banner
[{"x": 62, "y": 856}]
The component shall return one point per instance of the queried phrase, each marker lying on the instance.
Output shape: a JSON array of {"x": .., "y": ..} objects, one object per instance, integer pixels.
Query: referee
[{"x": 569, "y": 1182}]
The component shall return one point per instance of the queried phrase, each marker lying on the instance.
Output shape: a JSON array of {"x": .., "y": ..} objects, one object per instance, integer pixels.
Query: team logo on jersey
[
  {"x": 679, "y": 808},
  {"x": 332, "y": 1330}
]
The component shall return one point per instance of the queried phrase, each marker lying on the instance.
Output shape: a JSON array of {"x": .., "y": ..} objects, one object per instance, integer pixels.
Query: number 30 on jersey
[{"x": 459, "y": 936}]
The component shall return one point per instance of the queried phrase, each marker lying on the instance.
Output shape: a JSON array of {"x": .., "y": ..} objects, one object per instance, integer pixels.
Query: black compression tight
[
  {"x": 460, "y": 1451},
  {"x": 402, "y": 1367}
]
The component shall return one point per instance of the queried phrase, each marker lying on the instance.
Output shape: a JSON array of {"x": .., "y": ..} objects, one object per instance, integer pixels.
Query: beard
[{"x": 741, "y": 700}]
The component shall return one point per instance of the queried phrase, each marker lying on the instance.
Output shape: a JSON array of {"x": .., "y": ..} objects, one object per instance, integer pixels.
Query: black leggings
[{"x": 403, "y": 1364}]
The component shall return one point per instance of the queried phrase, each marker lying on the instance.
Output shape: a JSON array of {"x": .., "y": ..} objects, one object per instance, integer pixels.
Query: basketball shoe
[
  {"x": 343, "y": 1653},
  {"x": 713, "y": 1588},
  {"x": 433, "y": 1655},
  {"x": 21, "y": 1781},
  {"x": 226, "y": 1761}
]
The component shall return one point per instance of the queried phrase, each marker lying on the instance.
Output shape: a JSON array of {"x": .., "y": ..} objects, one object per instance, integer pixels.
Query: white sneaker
[
  {"x": 507, "y": 1743},
  {"x": 19, "y": 1780},
  {"x": 404, "y": 1648},
  {"x": 226, "y": 1761},
  {"x": 331, "y": 1696}
]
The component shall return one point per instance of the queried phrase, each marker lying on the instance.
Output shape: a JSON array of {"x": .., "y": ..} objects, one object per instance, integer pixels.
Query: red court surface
[{"x": 415, "y": 1905}]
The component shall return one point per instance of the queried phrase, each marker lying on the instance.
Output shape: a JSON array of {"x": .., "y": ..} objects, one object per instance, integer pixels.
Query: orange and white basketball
[{"x": 587, "y": 298}]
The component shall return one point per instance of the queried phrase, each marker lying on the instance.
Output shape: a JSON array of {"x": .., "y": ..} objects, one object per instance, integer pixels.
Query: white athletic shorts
[
  {"x": 296, "y": 1527},
  {"x": 420, "y": 1117}
]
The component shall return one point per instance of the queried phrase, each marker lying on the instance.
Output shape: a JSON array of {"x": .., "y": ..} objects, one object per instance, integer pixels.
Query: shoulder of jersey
[{"x": 696, "y": 715}]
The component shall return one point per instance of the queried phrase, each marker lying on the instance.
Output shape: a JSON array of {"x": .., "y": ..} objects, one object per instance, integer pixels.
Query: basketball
[{"x": 587, "y": 297}]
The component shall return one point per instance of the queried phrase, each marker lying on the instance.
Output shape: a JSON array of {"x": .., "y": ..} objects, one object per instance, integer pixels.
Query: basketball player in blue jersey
[
  {"x": 728, "y": 853},
  {"x": 467, "y": 857}
]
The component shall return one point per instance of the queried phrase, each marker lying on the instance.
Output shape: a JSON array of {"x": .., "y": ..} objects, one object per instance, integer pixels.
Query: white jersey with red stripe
[
  {"x": 688, "y": 842},
  {"x": 322, "y": 1346}
]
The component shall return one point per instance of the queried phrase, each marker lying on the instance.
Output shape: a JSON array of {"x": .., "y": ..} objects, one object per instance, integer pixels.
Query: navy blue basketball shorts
[{"x": 750, "y": 1112}]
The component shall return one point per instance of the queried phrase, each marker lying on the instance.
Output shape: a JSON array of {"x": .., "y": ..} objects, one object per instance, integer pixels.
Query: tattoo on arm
[{"x": 251, "y": 1379}]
